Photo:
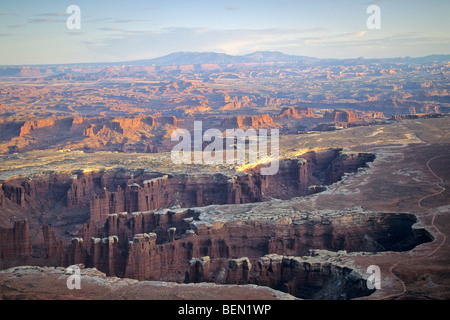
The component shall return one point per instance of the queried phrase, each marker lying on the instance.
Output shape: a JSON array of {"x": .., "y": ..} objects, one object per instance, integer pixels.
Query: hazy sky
[{"x": 35, "y": 32}]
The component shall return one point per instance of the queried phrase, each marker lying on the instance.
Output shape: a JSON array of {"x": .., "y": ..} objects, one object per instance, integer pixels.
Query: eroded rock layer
[{"x": 152, "y": 226}]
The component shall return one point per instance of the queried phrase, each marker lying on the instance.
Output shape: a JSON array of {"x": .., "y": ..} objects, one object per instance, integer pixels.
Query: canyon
[
  {"x": 86, "y": 179},
  {"x": 152, "y": 226},
  {"x": 134, "y": 229}
]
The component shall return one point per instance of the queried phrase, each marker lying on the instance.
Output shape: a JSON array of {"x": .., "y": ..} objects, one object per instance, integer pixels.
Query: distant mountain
[
  {"x": 184, "y": 58},
  {"x": 274, "y": 56},
  {"x": 196, "y": 58}
]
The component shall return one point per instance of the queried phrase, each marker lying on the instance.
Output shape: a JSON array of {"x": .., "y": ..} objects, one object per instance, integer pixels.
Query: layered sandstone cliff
[
  {"x": 135, "y": 227},
  {"x": 281, "y": 254},
  {"x": 295, "y": 112},
  {"x": 15, "y": 243}
]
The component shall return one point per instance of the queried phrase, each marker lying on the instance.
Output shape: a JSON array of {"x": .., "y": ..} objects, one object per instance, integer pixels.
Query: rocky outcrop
[
  {"x": 293, "y": 179},
  {"x": 160, "y": 192},
  {"x": 202, "y": 253},
  {"x": 101, "y": 193},
  {"x": 198, "y": 270},
  {"x": 238, "y": 271},
  {"x": 143, "y": 259},
  {"x": 295, "y": 112},
  {"x": 14, "y": 192},
  {"x": 30, "y": 126},
  {"x": 76, "y": 252},
  {"x": 346, "y": 164},
  {"x": 311, "y": 277},
  {"x": 54, "y": 249},
  {"x": 105, "y": 255},
  {"x": 147, "y": 255},
  {"x": 193, "y": 245},
  {"x": 339, "y": 116},
  {"x": 132, "y": 232},
  {"x": 15, "y": 242},
  {"x": 266, "y": 120},
  {"x": 83, "y": 133},
  {"x": 36, "y": 190},
  {"x": 244, "y": 122},
  {"x": 49, "y": 283},
  {"x": 2, "y": 196}
]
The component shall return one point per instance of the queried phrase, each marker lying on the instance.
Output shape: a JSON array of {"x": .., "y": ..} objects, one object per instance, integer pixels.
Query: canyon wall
[
  {"x": 135, "y": 227},
  {"x": 15, "y": 242},
  {"x": 98, "y": 194},
  {"x": 2, "y": 196},
  {"x": 282, "y": 255},
  {"x": 54, "y": 248}
]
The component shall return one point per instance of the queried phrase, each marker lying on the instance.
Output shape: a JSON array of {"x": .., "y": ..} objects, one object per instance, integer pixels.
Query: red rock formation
[
  {"x": 238, "y": 271},
  {"x": 295, "y": 112},
  {"x": 199, "y": 269},
  {"x": 143, "y": 261},
  {"x": 160, "y": 192},
  {"x": 104, "y": 255},
  {"x": 36, "y": 189},
  {"x": 76, "y": 252},
  {"x": 2, "y": 196},
  {"x": 103, "y": 133},
  {"x": 29, "y": 126},
  {"x": 243, "y": 122},
  {"x": 15, "y": 242},
  {"x": 145, "y": 193},
  {"x": 310, "y": 279},
  {"x": 80, "y": 190},
  {"x": 347, "y": 163},
  {"x": 15, "y": 193},
  {"x": 141, "y": 257},
  {"x": 338, "y": 116},
  {"x": 292, "y": 179},
  {"x": 54, "y": 249}
]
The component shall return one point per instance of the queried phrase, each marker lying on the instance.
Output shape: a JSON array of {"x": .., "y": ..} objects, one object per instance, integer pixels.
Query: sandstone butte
[{"x": 152, "y": 134}]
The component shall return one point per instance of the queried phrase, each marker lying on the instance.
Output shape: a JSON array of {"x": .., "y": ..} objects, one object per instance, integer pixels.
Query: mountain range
[{"x": 196, "y": 58}]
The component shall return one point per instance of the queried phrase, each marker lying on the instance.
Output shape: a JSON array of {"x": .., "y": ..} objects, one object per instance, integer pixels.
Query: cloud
[
  {"x": 48, "y": 17},
  {"x": 120, "y": 31},
  {"x": 395, "y": 45},
  {"x": 122, "y": 43},
  {"x": 15, "y": 26},
  {"x": 360, "y": 33},
  {"x": 375, "y": 2},
  {"x": 114, "y": 43},
  {"x": 44, "y": 20},
  {"x": 51, "y": 14},
  {"x": 334, "y": 37},
  {"x": 116, "y": 20},
  {"x": 231, "y": 8},
  {"x": 4, "y": 14}
]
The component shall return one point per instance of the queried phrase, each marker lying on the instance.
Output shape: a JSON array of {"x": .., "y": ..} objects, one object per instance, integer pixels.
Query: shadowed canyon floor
[{"x": 391, "y": 211}]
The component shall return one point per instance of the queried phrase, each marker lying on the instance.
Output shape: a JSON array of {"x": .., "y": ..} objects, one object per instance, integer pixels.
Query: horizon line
[{"x": 221, "y": 53}]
